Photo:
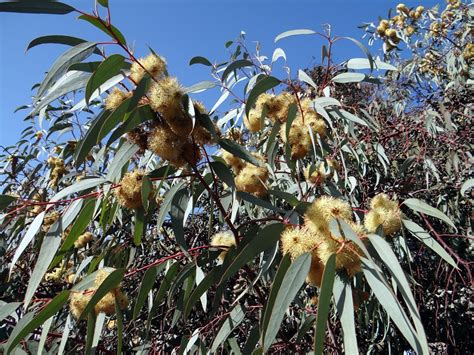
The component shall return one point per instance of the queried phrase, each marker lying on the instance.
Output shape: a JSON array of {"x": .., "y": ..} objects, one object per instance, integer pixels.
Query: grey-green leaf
[
  {"x": 294, "y": 33},
  {"x": 289, "y": 288},
  {"x": 422, "y": 235},
  {"x": 265, "y": 239},
  {"x": 235, "y": 317},
  {"x": 324, "y": 301},
  {"x": 74, "y": 55},
  {"x": 47, "y": 312},
  {"x": 422, "y": 207},
  {"x": 110, "y": 67},
  {"x": 238, "y": 151},
  {"x": 48, "y": 249},
  {"x": 345, "y": 308}
]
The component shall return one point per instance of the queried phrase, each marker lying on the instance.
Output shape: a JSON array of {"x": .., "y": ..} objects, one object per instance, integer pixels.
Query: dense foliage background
[{"x": 329, "y": 210}]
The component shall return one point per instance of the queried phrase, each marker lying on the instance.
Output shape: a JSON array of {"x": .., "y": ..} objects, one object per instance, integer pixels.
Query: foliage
[{"x": 326, "y": 212}]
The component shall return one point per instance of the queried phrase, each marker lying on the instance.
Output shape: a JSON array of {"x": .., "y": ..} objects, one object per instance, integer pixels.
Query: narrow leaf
[
  {"x": 290, "y": 286},
  {"x": 324, "y": 303}
]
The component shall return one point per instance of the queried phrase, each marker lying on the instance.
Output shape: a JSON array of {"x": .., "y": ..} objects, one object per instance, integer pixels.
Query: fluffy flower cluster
[
  {"x": 223, "y": 239},
  {"x": 383, "y": 212},
  {"x": 129, "y": 194},
  {"x": 58, "y": 169},
  {"x": 83, "y": 239},
  {"x": 317, "y": 175},
  {"x": 79, "y": 300},
  {"x": 116, "y": 98},
  {"x": 315, "y": 237},
  {"x": 49, "y": 220},
  {"x": 175, "y": 135},
  {"x": 178, "y": 136},
  {"x": 276, "y": 109},
  {"x": 154, "y": 65},
  {"x": 299, "y": 135},
  {"x": 276, "y": 106},
  {"x": 249, "y": 178},
  {"x": 57, "y": 273},
  {"x": 468, "y": 52}
]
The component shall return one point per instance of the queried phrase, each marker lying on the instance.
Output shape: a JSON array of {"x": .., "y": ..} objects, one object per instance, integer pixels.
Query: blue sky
[{"x": 178, "y": 30}]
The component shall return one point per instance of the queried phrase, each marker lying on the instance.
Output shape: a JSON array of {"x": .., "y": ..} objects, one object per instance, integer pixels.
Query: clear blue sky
[{"x": 178, "y": 30}]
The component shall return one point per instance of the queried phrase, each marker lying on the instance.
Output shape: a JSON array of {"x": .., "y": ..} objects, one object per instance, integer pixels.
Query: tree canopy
[{"x": 329, "y": 210}]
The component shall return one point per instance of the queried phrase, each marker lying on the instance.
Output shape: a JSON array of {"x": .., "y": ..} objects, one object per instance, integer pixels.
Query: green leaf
[
  {"x": 211, "y": 278},
  {"x": 364, "y": 49},
  {"x": 302, "y": 76},
  {"x": 138, "y": 116},
  {"x": 253, "y": 200},
  {"x": 252, "y": 340},
  {"x": 166, "y": 204},
  {"x": 69, "y": 82},
  {"x": 232, "y": 67},
  {"x": 422, "y": 235},
  {"x": 286, "y": 293},
  {"x": 6, "y": 200},
  {"x": 263, "y": 85},
  {"x": 22, "y": 322},
  {"x": 294, "y": 33},
  {"x": 200, "y": 60},
  {"x": 88, "y": 67},
  {"x": 324, "y": 301},
  {"x": 290, "y": 198},
  {"x": 37, "y": 7},
  {"x": 164, "y": 287},
  {"x": 145, "y": 287},
  {"x": 110, "y": 30},
  {"x": 122, "y": 157},
  {"x": 265, "y": 239},
  {"x": 81, "y": 185},
  {"x": 345, "y": 309},
  {"x": 177, "y": 212},
  {"x": 91, "y": 323},
  {"x": 47, "y": 312},
  {"x": 389, "y": 302},
  {"x": 235, "y": 317},
  {"x": 57, "y": 39},
  {"x": 390, "y": 259},
  {"x": 147, "y": 189},
  {"x": 364, "y": 63},
  {"x": 466, "y": 186},
  {"x": 223, "y": 173},
  {"x": 114, "y": 119},
  {"x": 46, "y": 254},
  {"x": 351, "y": 117},
  {"x": 110, "y": 67},
  {"x": 7, "y": 309},
  {"x": 111, "y": 282},
  {"x": 85, "y": 145},
  {"x": 285, "y": 263},
  {"x": 305, "y": 327},
  {"x": 139, "y": 228},
  {"x": 200, "y": 87},
  {"x": 74, "y": 55},
  {"x": 119, "y": 314},
  {"x": 422, "y": 207},
  {"x": 238, "y": 151},
  {"x": 82, "y": 221},
  {"x": 348, "y": 77},
  {"x": 44, "y": 335},
  {"x": 104, "y": 3}
]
